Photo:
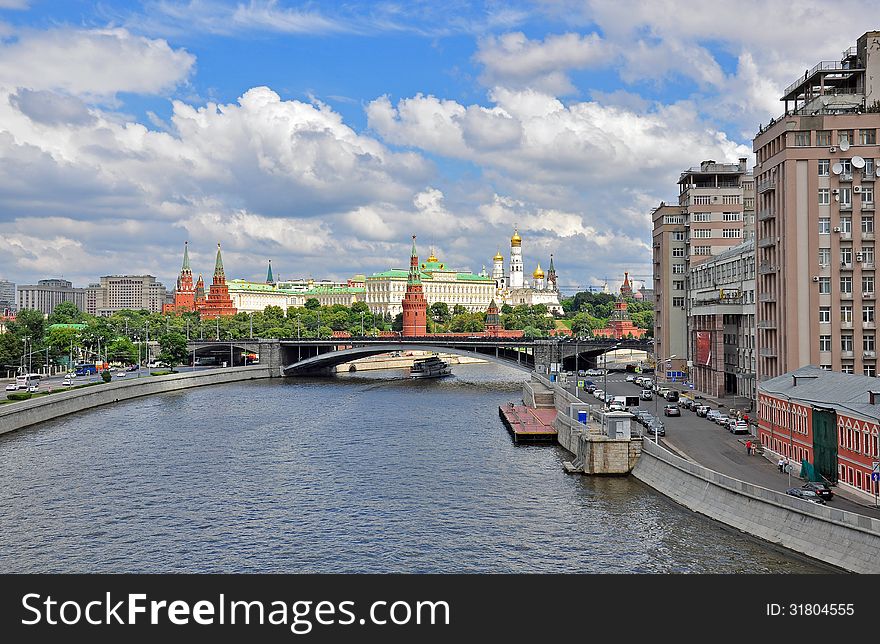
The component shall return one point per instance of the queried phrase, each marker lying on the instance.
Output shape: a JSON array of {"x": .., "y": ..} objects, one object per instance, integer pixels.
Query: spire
[
  {"x": 414, "y": 277},
  {"x": 218, "y": 265},
  {"x": 269, "y": 278},
  {"x": 551, "y": 263},
  {"x": 185, "y": 257}
]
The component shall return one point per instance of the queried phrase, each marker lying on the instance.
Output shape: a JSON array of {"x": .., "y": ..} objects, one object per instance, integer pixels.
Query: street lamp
[
  {"x": 605, "y": 383},
  {"x": 664, "y": 362}
]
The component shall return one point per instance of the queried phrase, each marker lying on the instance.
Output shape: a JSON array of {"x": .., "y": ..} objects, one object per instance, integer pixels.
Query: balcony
[
  {"x": 868, "y": 266},
  {"x": 868, "y": 295},
  {"x": 845, "y": 266},
  {"x": 846, "y": 295},
  {"x": 869, "y": 325},
  {"x": 765, "y": 268},
  {"x": 845, "y": 177},
  {"x": 764, "y": 242},
  {"x": 767, "y": 352},
  {"x": 764, "y": 215},
  {"x": 847, "y": 354},
  {"x": 845, "y": 206},
  {"x": 868, "y": 176},
  {"x": 868, "y": 206},
  {"x": 846, "y": 324},
  {"x": 868, "y": 236},
  {"x": 767, "y": 324},
  {"x": 766, "y": 184},
  {"x": 767, "y": 297},
  {"x": 869, "y": 354}
]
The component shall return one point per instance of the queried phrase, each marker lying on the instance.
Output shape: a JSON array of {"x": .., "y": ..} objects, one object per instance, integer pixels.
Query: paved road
[
  {"x": 714, "y": 447},
  {"x": 55, "y": 382}
]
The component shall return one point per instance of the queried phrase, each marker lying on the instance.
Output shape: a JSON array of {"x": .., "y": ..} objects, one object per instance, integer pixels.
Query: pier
[{"x": 528, "y": 425}]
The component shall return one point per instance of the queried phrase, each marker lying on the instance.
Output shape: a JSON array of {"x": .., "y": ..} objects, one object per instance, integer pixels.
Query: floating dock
[{"x": 528, "y": 425}]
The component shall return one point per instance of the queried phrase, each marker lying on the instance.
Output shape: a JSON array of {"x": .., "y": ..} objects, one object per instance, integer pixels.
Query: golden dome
[
  {"x": 432, "y": 258},
  {"x": 516, "y": 240},
  {"x": 498, "y": 257},
  {"x": 538, "y": 274}
]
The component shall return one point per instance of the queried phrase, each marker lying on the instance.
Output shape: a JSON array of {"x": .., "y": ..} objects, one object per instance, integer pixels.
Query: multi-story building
[
  {"x": 45, "y": 295},
  {"x": 7, "y": 297},
  {"x": 721, "y": 319},
  {"x": 120, "y": 292},
  {"x": 385, "y": 291},
  {"x": 710, "y": 218},
  {"x": 815, "y": 175}
]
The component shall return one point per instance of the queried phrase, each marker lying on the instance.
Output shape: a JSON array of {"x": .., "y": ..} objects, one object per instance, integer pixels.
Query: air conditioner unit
[
  {"x": 837, "y": 229},
  {"x": 832, "y": 149},
  {"x": 857, "y": 189},
  {"x": 858, "y": 257},
  {"x": 816, "y": 278},
  {"x": 835, "y": 191}
]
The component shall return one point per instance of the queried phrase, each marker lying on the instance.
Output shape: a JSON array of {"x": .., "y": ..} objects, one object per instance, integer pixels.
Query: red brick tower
[
  {"x": 493, "y": 320},
  {"x": 218, "y": 303},
  {"x": 184, "y": 294},
  {"x": 626, "y": 289},
  {"x": 199, "y": 299},
  {"x": 415, "y": 306}
]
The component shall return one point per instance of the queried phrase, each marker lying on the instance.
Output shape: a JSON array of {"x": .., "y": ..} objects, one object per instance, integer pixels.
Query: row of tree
[{"x": 591, "y": 311}]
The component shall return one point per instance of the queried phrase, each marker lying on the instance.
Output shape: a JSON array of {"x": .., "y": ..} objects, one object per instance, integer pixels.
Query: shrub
[
  {"x": 20, "y": 395},
  {"x": 160, "y": 373},
  {"x": 106, "y": 376}
]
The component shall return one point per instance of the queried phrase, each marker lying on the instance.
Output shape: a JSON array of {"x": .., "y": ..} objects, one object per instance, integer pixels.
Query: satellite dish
[
  {"x": 844, "y": 145},
  {"x": 837, "y": 168},
  {"x": 858, "y": 162}
]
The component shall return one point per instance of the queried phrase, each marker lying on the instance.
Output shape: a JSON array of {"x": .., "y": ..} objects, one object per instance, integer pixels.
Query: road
[
  {"x": 55, "y": 382},
  {"x": 714, "y": 447}
]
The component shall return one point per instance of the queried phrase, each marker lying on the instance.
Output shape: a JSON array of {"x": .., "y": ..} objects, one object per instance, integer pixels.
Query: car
[
  {"x": 598, "y": 393},
  {"x": 739, "y": 427},
  {"x": 671, "y": 395},
  {"x": 822, "y": 489},
  {"x": 655, "y": 428},
  {"x": 66, "y": 382},
  {"x": 702, "y": 410},
  {"x": 721, "y": 419},
  {"x": 646, "y": 394},
  {"x": 33, "y": 389},
  {"x": 11, "y": 387},
  {"x": 685, "y": 402},
  {"x": 133, "y": 367},
  {"x": 120, "y": 374},
  {"x": 647, "y": 419},
  {"x": 590, "y": 388},
  {"x": 630, "y": 378},
  {"x": 712, "y": 414},
  {"x": 806, "y": 495},
  {"x": 616, "y": 406},
  {"x": 671, "y": 410}
]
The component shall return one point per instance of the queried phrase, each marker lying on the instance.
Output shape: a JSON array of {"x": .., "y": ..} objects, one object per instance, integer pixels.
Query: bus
[
  {"x": 90, "y": 368},
  {"x": 26, "y": 380}
]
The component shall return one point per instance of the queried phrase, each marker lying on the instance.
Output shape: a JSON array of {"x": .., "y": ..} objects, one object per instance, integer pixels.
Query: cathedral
[
  {"x": 187, "y": 297},
  {"x": 511, "y": 288}
]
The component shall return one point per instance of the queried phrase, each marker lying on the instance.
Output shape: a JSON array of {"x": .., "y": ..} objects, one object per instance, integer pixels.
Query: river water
[{"x": 358, "y": 473}]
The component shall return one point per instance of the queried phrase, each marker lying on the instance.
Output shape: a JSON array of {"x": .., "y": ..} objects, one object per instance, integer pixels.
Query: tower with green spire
[
  {"x": 415, "y": 306},
  {"x": 551, "y": 276},
  {"x": 218, "y": 302},
  {"x": 184, "y": 294},
  {"x": 270, "y": 279}
]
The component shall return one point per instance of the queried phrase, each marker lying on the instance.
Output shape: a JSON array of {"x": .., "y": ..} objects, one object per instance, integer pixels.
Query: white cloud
[
  {"x": 96, "y": 63},
  {"x": 15, "y": 4}
]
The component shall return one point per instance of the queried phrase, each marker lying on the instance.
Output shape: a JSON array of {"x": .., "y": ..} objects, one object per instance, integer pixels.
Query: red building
[
  {"x": 218, "y": 303},
  {"x": 415, "y": 306},
  {"x": 184, "y": 294},
  {"x": 620, "y": 325},
  {"x": 626, "y": 289},
  {"x": 827, "y": 418}
]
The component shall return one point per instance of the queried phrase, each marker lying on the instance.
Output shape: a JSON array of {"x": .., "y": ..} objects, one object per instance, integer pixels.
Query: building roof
[
  {"x": 844, "y": 392},
  {"x": 399, "y": 273}
]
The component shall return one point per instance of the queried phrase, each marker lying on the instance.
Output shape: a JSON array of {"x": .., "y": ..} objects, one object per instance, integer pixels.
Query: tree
[
  {"x": 122, "y": 350},
  {"x": 172, "y": 349},
  {"x": 530, "y": 333},
  {"x": 29, "y": 323},
  {"x": 397, "y": 325},
  {"x": 66, "y": 313},
  {"x": 312, "y": 304},
  {"x": 439, "y": 312},
  {"x": 458, "y": 309}
]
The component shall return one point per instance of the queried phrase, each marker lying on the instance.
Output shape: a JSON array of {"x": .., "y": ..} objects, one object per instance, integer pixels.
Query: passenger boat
[{"x": 432, "y": 367}]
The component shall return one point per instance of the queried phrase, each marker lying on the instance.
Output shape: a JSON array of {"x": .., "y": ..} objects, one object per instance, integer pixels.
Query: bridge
[{"x": 294, "y": 357}]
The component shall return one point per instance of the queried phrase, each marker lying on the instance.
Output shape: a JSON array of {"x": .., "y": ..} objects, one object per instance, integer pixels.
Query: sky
[{"x": 323, "y": 135}]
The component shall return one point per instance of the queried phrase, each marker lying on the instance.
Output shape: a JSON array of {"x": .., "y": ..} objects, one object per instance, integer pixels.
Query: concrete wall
[
  {"x": 37, "y": 410},
  {"x": 844, "y": 539}
]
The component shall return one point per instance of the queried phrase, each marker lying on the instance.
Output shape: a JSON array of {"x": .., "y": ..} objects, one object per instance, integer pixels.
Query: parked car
[
  {"x": 646, "y": 394},
  {"x": 822, "y": 489},
  {"x": 655, "y": 428},
  {"x": 11, "y": 387},
  {"x": 66, "y": 382},
  {"x": 806, "y": 495},
  {"x": 616, "y": 406},
  {"x": 672, "y": 395},
  {"x": 598, "y": 393},
  {"x": 671, "y": 410},
  {"x": 739, "y": 427},
  {"x": 120, "y": 374},
  {"x": 702, "y": 410},
  {"x": 646, "y": 418},
  {"x": 33, "y": 389},
  {"x": 712, "y": 414},
  {"x": 590, "y": 388},
  {"x": 630, "y": 378},
  {"x": 721, "y": 419}
]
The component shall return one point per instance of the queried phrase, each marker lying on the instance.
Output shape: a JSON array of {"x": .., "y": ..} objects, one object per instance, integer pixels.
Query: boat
[{"x": 432, "y": 367}]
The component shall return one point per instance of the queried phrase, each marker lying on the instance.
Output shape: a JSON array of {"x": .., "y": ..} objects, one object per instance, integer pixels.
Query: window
[
  {"x": 867, "y": 225},
  {"x": 869, "y": 167},
  {"x": 846, "y": 166},
  {"x": 845, "y": 284},
  {"x": 868, "y": 137},
  {"x": 702, "y": 250},
  {"x": 824, "y": 167},
  {"x": 824, "y": 196},
  {"x": 678, "y": 285},
  {"x": 844, "y": 135},
  {"x": 673, "y": 219},
  {"x": 701, "y": 233},
  {"x": 824, "y": 256},
  {"x": 869, "y": 370},
  {"x": 846, "y": 314},
  {"x": 731, "y": 233},
  {"x": 731, "y": 216},
  {"x": 824, "y": 225},
  {"x": 678, "y": 252},
  {"x": 678, "y": 269},
  {"x": 846, "y": 224},
  {"x": 867, "y": 283},
  {"x": 846, "y": 197},
  {"x": 825, "y": 367},
  {"x": 824, "y": 314},
  {"x": 868, "y": 342},
  {"x": 867, "y": 194},
  {"x": 846, "y": 255},
  {"x": 730, "y": 199},
  {"x": 824, "y": 343},
  {"x": 846, "y": 368},
  {"x": 823, "y": 137},
  {"x": 678, "y": 236},
  {"x": 702, "y": 200},
  {"x": 824, "y": 285},
  {"x": 701, "y": 217},
  {"x": 801, "y": 139},
  {"x": 846, "y": 342},
  {"x": 678, "y": 301},
  {"x": 867, "y": 254}
]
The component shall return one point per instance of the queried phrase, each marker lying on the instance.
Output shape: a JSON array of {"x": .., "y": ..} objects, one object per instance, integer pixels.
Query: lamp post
[
  {"x": 605, "y": 383},
  {"x": 663, "y": 362},
  {"x": 362, "y": 324}
]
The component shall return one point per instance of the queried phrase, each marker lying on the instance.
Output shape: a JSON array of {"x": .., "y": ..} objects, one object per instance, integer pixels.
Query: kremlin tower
[
  {"x": 218, "y": 303},
  {"x": 626, "y": 290},
  {"x": 415, "y": 306},
  {"x": 199, "y": 300},
  {"x": 516, "y": 263},
  {"x": 184, "y": 294},
  {"x": 493, "y": 320},
  {"x": 270, "y": 279},
  {"x": 551, "y": 276}
]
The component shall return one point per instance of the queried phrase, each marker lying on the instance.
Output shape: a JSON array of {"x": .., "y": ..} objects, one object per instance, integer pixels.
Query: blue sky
[{"x": 322, "y": 135}]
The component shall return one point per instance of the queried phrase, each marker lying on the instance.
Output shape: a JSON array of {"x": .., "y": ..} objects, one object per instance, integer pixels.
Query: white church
[{"x": 512, "y": 288}]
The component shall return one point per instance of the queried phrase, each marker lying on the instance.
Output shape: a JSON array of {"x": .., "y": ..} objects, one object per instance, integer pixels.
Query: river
[{"x": 363, "y": 472}]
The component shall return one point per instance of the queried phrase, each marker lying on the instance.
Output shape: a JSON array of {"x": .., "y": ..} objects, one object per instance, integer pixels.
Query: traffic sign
[
  {"x": 875, "y": 465},
  {"x": 875, "y": 476}
]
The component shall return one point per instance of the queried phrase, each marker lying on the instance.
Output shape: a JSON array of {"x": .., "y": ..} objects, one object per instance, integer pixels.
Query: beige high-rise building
[
  {"x": 815, "y": 175},
  {"x": 118, "y": 292},
  {"x": 715, "y": 212},
  {"x": 45, "y": 295}
]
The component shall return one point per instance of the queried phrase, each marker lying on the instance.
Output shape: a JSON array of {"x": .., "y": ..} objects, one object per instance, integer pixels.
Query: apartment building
[
  {"x": 721, "y": 319},
  {"x": 45, "y": 295},
  {"x": 118, "y": 292},
  {"x": 715, "y": 212},
  {"x": 7, "y": 296},
  {"x": 815, "y": 176}
]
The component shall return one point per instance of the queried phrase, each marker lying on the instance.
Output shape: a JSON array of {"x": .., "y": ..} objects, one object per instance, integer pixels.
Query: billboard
[{"x": 704, "y": 348}]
